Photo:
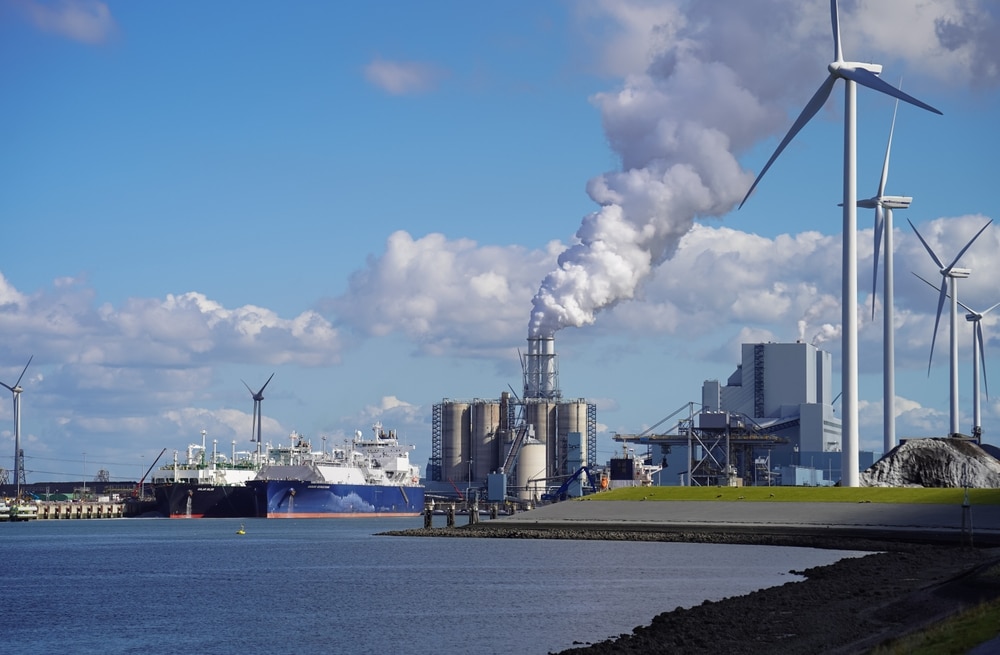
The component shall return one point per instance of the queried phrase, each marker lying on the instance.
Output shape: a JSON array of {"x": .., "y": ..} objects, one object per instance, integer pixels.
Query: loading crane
[
  {"x": 137, "y": 492},
  {"x": 560, "y": 493}
]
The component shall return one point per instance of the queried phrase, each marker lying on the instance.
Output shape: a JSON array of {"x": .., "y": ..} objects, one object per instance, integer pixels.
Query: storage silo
[
  {"x": 455, "y": 441},
  {"x": 531, "y": 470},
  {"x": 542, "y": 415},
  {"x": 485, "y": 439},
  {"x": 572, "y": 418}
]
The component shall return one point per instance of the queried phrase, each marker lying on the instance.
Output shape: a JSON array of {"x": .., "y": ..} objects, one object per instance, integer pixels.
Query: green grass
[
  {"x": 954, "y": 636},
  {"x": 806, "y": 494}
]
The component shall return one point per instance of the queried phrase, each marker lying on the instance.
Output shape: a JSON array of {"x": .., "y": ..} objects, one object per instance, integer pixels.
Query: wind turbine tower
[
  {"x": 883, "y": 206},
  {"x": 258, "y": 398},
  {"x": 978, "y": 357},
  {"x": 950, "y": 274},
  {"x": 18, "y": 454},
  {"x": 852, "y": 73}
]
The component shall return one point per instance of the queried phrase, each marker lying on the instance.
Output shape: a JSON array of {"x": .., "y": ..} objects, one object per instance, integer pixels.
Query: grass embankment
[
  {"x": 905, "y": 495},
  {"x": 958, "y": 634}
]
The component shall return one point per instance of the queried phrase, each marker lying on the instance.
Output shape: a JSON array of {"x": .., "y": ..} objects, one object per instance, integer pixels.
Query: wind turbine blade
[
  {"x": 265, "y": 385},
  {"x": 888, "y": 147},
  {"x": 23, "y": 372},
  {"x": 815, "y": 103},
  {"x": 962, "y": 304},
  {"x": 247, "y": 386},
  {"x": 982, "y": 355},
  {"x": 928, "y": 248},
  {"x": 929, "y": 283},
  {"x": 11, "y": 389},
  {"x": 838, "y": 54},
  {"x": 879, "y": 227},
  {"x": 969, "y": 244},
  {"x": 985, "y": 312},
  {"x": 872, "y": 81},
  {"x": 937, "y": 320}
]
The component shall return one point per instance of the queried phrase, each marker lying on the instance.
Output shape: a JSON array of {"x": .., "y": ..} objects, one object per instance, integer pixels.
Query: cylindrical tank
[
  {"x": 455, "y": 433},
  {"x": 530, "y": 468},
  {"x": 485, "y": 441},
  {"x": 572, "y": 417},
  {"x": 541, "y": 415}
]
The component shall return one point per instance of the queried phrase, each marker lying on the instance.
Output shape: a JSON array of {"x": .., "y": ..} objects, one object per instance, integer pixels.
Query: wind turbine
[
  {"x": 883, "y": 206},
  {"x": 258, "y": 397},
  {"x": 852, "y": 73},
  {"x": 952, "y": 273},
  {"x": 18, "y": 461},
  {"x": 978, "y": 357}
]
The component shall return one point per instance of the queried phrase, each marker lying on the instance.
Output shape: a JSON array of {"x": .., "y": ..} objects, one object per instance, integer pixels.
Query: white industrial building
[
  {"x": 777, "y": 417},
  {"x": 786, "y": 389}
]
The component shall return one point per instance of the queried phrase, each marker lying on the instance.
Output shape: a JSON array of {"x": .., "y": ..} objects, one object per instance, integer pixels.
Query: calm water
[{"x": 315, "y": 586}]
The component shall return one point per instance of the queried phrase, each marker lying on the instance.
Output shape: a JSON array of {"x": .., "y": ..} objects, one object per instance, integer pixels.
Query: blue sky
[{"x": 364, "y": 199}]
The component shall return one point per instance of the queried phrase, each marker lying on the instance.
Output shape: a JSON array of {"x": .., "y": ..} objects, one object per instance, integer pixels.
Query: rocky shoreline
[{"x": 850, "y": 606}]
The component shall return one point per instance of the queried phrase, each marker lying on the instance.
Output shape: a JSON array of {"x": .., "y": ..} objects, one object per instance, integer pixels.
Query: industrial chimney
[{"x": 541, "y": 373}]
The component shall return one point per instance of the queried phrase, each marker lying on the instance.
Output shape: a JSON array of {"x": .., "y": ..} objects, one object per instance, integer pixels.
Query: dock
[{"x": 51, "y": 510}]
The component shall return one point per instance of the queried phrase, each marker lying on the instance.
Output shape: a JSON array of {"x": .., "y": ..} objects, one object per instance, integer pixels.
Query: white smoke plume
[{"x": 719, "y": 78}]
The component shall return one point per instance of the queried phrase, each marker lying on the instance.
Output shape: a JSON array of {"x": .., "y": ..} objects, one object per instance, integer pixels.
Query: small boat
[{"x": 241, "y": 530}]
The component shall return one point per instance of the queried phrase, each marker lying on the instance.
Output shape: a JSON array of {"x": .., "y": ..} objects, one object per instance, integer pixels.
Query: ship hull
[
  {"x": 196, "y": 501},
  {"x": 296, "y": 499}
]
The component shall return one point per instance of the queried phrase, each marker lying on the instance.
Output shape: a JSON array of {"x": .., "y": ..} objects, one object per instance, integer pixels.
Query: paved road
[{"x": 873, "y": 520}]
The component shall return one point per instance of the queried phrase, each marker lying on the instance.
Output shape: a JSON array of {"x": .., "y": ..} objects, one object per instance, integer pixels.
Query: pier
[{"x": 50, "y": 510}]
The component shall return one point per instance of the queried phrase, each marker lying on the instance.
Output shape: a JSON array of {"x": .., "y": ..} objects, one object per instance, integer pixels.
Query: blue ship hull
[{"x": 279, "y": 499}]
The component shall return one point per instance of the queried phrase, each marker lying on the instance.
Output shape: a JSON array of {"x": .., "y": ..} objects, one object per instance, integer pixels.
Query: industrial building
[
  {"x": 524, "y": 444},
  {"x": 772, "y": 422}
]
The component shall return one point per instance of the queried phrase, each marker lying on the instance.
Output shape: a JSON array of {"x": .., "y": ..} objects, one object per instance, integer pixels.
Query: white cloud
[
  {"x": 87, "y": 21},
  {"x": 444, "y": 295},
  {"x": 403, "y": 77}
]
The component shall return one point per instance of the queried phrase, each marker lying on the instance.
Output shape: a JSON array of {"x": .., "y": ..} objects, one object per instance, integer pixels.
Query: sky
[{"x": 376, "y": 202}]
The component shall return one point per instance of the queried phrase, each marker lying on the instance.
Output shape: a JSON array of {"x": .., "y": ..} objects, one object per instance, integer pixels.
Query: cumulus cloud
[
  {"x": 403, "y": 77},
  {"x": 86, "y": 21},
  {"x": 118, "y": 354},
  {"x": 444, "y": 295}
]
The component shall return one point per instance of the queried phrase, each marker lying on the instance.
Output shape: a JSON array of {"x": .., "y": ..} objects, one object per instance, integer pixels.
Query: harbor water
[{"x": 336, "y": 586}]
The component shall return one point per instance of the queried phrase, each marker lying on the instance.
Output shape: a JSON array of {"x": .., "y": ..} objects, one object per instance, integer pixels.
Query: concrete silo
[
  {"x": 456, "y": 439},
  {"x": 531, "y": 470},
  {"x": 485, "y": 450}
]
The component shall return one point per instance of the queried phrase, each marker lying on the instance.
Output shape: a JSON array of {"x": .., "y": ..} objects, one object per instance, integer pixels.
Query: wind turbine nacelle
[
  {"x": 960, "y": 272},
  {"x": 896, "y": 202},
  {"x": 874, "y": 69},
  {"x": 972, "y": 318}
]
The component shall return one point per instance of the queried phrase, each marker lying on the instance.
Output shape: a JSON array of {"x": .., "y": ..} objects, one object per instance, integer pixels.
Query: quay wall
[{"x": 86, "y": 510}]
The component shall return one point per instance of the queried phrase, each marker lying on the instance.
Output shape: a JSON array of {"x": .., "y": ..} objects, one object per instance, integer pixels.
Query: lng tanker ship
[
  {"x": 360, "y": 478},
  {"x": 205, "y": 485}
]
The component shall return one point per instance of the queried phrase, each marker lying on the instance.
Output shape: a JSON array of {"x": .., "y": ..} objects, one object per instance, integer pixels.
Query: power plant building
[{"x": 528, "y": 439}]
